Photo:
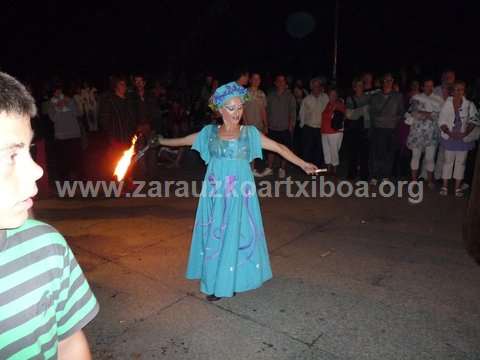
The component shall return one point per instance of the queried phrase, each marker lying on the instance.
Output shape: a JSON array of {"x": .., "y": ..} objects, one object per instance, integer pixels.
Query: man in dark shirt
[
  {"x": 116, "y": 113},
  {"x": 144, "y": 104},
  {"x": 117, "y": 118},
  {"x": 281, "y": 113},
  {"x": 386, "y": 111}
]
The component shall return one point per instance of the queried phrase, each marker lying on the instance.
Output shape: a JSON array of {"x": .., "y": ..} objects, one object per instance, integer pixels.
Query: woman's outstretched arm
[
  {"x": 287, "y": 154},
  {"x": 177, "y": 142}
]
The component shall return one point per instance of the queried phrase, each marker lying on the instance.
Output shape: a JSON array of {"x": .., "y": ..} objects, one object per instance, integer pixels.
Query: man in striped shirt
[{"x": 45, "y": 300}]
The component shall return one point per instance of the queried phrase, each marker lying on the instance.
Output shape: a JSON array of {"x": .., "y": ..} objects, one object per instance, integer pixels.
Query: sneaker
[
  {"x": 281, "y": 173},
  {"x": 373, "y": 182},
  {"x": 443, "y": 191},
  {"x": 268, "y": 171}
]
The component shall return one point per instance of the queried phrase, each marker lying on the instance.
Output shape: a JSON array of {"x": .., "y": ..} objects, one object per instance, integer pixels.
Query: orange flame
[{"x": 125, "y": 160}]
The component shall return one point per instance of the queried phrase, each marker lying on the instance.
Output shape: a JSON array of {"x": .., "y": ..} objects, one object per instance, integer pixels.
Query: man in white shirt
[{"x": 311, "y": 121}]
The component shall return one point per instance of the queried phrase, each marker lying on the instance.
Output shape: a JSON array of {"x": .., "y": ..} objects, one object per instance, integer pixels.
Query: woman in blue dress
[{"x": 228, "y": 252}]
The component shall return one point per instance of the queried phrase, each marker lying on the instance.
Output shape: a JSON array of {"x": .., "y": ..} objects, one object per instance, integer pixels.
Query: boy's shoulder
[
  {"x": 30, "y": 225},
  {"x": 34, "y": 229}
]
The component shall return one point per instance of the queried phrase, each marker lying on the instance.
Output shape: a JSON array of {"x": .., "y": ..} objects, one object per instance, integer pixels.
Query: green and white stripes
[{"x": 44, "y": 297}]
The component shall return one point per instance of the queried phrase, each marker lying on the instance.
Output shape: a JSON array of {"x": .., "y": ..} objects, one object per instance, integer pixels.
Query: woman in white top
[{"x": 457, "y": 121}]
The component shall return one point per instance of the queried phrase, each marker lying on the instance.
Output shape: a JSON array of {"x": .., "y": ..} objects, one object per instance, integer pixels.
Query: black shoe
[{"x": 213, "y": 298}]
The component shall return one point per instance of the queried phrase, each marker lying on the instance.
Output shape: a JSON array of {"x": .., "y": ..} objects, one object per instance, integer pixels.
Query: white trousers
[
  {"x": 428, "y": 161},
  {"x": 331, "y": 144},
  {"x": 454, "y": 162}
]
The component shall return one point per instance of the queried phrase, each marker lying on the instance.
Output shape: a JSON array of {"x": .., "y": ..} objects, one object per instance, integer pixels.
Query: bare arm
[
  {"x": 285, "y": 152},
  {"x": 75, "y": 347},
  {"x": 177, "y": 142}
]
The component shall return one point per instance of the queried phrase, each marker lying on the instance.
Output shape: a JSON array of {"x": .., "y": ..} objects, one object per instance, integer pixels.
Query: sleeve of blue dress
[
  {"x": 254, "y": 143},
  {"x": 201, "y": 143}
]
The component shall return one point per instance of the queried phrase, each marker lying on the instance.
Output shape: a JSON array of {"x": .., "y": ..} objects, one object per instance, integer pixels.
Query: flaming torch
[{"x": 124, "y": 162}]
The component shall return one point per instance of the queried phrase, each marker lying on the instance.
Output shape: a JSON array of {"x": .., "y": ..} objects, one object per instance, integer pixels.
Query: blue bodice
[
  {"x": 235, "y": 149},
  {"x": 247, "y": 146}
]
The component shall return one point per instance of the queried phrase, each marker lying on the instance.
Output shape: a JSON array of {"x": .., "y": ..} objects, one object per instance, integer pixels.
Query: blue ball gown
[{"x": 228, "y": 252}]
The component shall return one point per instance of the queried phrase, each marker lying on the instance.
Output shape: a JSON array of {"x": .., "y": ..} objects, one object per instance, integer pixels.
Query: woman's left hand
[{"x": 309, "y": 168}]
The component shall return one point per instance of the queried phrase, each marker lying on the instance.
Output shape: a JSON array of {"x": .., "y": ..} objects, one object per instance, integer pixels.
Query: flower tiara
[{"x": 226, "y": 92}]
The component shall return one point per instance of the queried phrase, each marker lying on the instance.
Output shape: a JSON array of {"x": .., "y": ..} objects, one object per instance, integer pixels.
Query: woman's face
[
  {"x": 255, "y": 80},
  {"x": 458, "y": 91},
  {"x": 332, "y": 94},
  {"x": 243, "y": 79},
  {"x": 368, "y": 79},
  {"x": 232, "y": 110},
  {"x": 297, "y": 93},
  {"x": 358, "y": 87}
]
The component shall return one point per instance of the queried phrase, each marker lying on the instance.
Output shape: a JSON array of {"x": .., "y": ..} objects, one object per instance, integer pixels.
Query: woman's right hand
[
  {"x": 309, "y": 168},
  {"x": 155, "y": 140}
]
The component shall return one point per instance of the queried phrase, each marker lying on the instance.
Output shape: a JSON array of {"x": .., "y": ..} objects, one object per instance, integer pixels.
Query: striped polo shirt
[{"x": 44, "y": 297}]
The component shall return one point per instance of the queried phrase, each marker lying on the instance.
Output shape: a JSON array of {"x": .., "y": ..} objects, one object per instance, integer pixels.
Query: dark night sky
[{"x": 96, "y": 39}]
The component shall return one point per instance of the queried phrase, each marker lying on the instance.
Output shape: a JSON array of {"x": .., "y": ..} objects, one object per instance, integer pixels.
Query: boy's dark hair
[{"x": 14, "y": 97}]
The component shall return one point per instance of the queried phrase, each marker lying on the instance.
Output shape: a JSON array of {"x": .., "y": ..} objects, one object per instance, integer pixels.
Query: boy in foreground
[{"x": 45, "y": 300}]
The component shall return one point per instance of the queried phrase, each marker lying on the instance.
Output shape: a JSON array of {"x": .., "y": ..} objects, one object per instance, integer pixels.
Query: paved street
[{"x": 353, "y": 279}]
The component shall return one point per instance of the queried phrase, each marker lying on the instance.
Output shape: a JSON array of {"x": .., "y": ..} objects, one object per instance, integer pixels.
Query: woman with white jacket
[{"x": 457, "y": 121}]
